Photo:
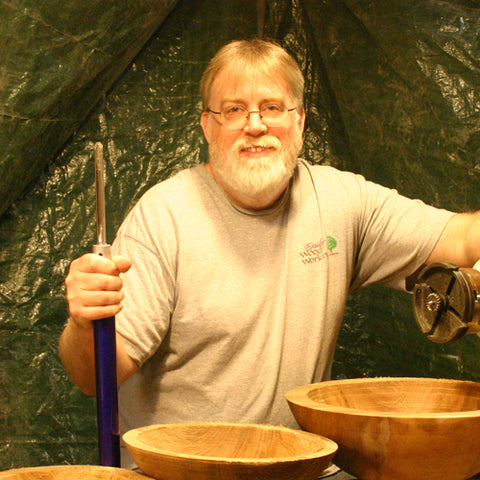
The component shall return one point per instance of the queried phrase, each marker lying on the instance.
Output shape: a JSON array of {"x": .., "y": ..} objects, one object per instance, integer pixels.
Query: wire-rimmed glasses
[{"x": 235, "y": 117}]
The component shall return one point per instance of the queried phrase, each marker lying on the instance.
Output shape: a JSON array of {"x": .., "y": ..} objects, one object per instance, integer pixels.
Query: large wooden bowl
[
  {"x": 69, "y": 472},
  {"x": 228, "y": 451},
  {"x": 396, "y": 428}
]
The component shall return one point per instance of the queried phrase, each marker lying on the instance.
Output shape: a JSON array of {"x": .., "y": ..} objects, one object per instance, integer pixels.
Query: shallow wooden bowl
[
  {"x": 228, "y": 451},
  {"x": 396, "y": 428},
  {"x": 68, "y": 472}
]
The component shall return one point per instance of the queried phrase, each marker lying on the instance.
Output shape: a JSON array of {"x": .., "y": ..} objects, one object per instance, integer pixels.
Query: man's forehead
[{"x": 257, "y": 84}]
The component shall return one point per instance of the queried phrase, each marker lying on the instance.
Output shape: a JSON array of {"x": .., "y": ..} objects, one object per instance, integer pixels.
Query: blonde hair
[{"x": 243, "y": 58}]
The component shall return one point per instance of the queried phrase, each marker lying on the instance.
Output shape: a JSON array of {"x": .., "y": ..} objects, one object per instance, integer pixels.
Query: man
[{"x": 235, "y": 273}]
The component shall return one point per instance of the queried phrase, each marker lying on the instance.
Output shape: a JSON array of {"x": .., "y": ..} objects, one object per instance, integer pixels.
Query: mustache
[{"x": 263, "y": 142}]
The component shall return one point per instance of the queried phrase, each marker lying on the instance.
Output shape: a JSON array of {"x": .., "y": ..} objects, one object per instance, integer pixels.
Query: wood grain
[
  {"x": 396, "y": 428},
  {"x": 78, "y": 472},
  {"x": 228, "y": 451}
]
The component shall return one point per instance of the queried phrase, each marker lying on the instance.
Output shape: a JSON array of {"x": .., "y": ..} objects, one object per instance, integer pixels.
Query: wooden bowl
[
  {"x": 206, "y": 451},
  {"x": 396, "y": 428},
  {"x": 69, "y": 472}
]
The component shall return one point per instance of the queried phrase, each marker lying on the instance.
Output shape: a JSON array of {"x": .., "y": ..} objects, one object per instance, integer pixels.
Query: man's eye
[
  {"x": 272, "y": 108},
  {"x": 233, "y": 110}
]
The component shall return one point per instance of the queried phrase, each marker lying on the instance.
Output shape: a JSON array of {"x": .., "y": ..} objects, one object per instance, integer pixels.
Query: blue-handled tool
[{"x": 105, "y": 343}]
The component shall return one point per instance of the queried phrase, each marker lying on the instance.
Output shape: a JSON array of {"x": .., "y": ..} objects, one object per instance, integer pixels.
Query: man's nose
[{"x": 255, "y": 124}]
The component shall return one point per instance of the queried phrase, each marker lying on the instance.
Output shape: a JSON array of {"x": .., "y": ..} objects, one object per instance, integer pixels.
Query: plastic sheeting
[
  {"x": 57, "y": 59},
  {"x": 392, "y": 93}
]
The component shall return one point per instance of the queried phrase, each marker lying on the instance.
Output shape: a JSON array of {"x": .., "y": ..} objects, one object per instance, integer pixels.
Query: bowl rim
[
  {"x": 330, "y": 447},
  {"x": 298, "y": 396},
  {"x": 76, "y": 468}
]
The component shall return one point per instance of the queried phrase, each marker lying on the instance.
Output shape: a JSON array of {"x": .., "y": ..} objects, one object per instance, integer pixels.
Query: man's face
[{"x": 252, "y": 164}]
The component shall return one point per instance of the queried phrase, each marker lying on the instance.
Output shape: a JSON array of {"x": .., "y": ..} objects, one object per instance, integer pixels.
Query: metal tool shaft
[
  {"x": 105, "y": 343},
  {"x": 100, "y": 194}
]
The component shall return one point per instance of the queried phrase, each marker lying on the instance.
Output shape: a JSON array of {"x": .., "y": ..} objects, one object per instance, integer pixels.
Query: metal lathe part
[{"x": 446, "y": 301}]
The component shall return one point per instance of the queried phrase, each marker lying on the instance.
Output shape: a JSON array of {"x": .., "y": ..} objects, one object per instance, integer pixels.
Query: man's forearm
[
  {"x": 460, "y": 241},
  {"x": 76, "y": 348},
  {"x": 77, "y": 352}
]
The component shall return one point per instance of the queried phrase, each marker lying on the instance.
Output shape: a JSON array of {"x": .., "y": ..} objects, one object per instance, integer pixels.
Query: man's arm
[
  {"x": 94, "y": 292},
  {"x": 459, "y": 242}
]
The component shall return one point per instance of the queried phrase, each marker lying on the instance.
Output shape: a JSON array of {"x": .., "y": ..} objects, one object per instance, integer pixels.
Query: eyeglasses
[{"x": 235, "y": 117}]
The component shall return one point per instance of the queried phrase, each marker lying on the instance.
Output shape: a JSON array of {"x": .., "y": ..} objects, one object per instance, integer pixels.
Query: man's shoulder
[
  {"x": 177, "y": 185},
  {"x": 326, "y": 175}
]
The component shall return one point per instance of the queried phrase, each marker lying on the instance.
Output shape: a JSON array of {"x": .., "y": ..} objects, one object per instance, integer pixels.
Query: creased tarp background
[{"x": 392, "y": 93}]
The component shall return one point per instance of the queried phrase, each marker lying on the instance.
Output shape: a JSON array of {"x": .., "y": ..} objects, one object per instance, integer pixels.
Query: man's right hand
[
  {"x": 94, "y": 288},
  {"x": 94, "y": 291}
]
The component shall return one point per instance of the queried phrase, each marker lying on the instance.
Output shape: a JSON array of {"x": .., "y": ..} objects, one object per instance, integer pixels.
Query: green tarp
[{"x": 392, "y": 93}]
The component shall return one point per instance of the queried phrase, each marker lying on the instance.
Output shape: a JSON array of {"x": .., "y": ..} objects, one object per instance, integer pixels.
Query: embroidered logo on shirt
[{"x": 318, "y": 251}]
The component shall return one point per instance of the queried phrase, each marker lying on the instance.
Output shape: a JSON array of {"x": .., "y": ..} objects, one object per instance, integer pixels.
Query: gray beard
[{"x": 257, "y": 177}]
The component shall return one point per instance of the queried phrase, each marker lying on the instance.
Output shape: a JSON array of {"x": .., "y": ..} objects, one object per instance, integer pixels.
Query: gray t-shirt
[{"x": 228, "y": 309}]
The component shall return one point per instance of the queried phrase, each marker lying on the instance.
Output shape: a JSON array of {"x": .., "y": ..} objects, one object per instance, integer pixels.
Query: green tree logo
[{"x": 331, "y": 243}]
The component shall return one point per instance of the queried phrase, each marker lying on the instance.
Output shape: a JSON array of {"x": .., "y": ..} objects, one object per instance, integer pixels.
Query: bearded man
[{"x": 241, "y": 267}]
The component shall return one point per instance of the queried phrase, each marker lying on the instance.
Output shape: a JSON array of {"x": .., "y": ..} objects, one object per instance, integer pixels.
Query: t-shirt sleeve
[
  {"x": 396, "y": 235},
  {"x": 149, "y": 285}
]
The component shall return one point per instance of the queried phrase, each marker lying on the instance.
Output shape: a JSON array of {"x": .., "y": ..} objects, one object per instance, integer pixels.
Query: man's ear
[
  {"x": 205, "y": 123},
  {"x": 302, "y": 120}
]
